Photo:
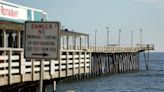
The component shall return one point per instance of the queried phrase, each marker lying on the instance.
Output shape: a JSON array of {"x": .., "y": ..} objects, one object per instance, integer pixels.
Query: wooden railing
[
  {"x": 15, "y": 69},
  {"x": 110, "y": 49},
  {"x": 144, "y": 47}
]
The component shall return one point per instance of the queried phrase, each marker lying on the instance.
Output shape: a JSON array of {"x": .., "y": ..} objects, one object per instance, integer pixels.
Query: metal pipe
[{"x": 41, "y": 74}]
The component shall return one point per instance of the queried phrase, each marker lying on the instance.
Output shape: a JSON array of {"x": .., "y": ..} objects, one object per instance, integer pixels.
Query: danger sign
[{"x": 42, "y": 40}]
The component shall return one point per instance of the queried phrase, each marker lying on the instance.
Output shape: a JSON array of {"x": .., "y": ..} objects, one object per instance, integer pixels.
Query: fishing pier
[{"x": 77, "y": 59}]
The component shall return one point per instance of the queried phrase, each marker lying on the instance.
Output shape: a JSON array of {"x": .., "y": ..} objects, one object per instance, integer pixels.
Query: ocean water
[{"x": 151, "y": 80}]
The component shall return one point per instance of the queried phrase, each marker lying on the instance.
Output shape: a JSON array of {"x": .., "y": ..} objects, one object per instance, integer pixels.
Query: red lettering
[
  {"x": 8, "y": 12},
  {"x": 33, "y": 26},
  {"x": 41, "y": 26}
]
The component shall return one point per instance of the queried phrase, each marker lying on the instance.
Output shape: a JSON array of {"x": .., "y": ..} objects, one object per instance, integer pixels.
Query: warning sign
[{"x": 42, "y": 40}]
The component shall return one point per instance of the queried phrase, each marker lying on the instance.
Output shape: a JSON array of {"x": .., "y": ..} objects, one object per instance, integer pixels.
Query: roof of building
[
  {"x": 71, "y": 33},
  {"x": 21, "y": 6}
]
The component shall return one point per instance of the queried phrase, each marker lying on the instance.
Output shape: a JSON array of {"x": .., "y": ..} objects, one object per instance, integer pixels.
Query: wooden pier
[{"x": 77, "y": 59}]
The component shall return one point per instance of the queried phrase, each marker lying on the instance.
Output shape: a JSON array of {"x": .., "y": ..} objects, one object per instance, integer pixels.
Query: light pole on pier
[
  {"x": 62, "y": 27},
  {"x": 131, "y": 38},
  {"x": 107, "y": 35},
  {"x": 119, "y": 37},
  {"x": 95, "y": 37},
  {"x": 140, "y": 36}
]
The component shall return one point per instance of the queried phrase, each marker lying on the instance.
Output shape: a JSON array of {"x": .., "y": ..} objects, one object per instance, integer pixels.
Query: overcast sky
[{"x": 88, "y": 15}]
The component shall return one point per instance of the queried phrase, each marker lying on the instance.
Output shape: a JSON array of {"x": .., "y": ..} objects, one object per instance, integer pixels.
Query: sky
[{"x": 86, "y": 16}]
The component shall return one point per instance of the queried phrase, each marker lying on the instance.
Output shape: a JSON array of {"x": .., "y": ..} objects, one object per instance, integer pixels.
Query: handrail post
[
  {"x": 9, "y": 66},
  {"x": 52, "y": 68},
  {"x": 22, "y": 64},
  {"x": 90, "y": 63},
  {"x": 80, "y": 42},
  {"x": 73, "y": 61},
  {"x": 33, "y": 69},
  {"x": 85, "y": 62}
]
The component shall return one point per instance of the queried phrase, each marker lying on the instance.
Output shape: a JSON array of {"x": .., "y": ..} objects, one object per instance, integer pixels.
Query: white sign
[
  {"x": 42, "y": 40},
  {"x": 22, "y": 14},
  {"x": 13, "y": 12}
]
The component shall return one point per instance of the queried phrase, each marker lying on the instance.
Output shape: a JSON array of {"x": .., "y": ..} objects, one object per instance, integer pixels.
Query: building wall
[
  {"x": 18, "y": 13},
  {"x": 12, "y": 18}
]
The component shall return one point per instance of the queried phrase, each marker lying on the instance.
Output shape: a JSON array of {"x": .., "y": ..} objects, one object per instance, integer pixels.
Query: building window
[
  {"x": 37, "y": 16},
  {"x": 29, "y": 15}
]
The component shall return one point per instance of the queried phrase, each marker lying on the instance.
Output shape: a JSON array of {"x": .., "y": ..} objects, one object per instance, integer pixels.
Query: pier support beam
[
  {"x": 146, "y": 61},
  {"x": 112, "y": 63},
  {"x": 50, "y": 87}
]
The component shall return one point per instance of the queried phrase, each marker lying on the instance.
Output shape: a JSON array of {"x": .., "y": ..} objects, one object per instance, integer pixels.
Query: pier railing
[
  {"x": 110, "y": 49},
  {"x": 14, "y": 68},
  {"x": 144, "y": 47}
]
